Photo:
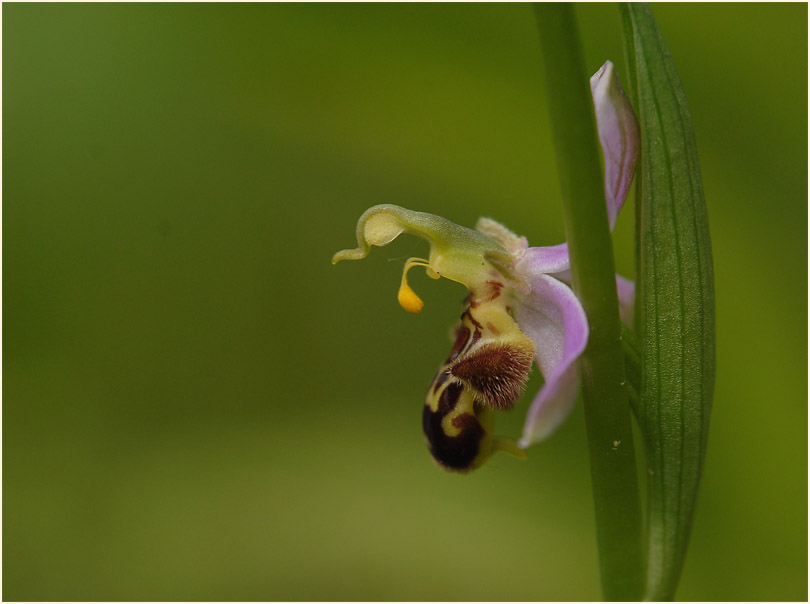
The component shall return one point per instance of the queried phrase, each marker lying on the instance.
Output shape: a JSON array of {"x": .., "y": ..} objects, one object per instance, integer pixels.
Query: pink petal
[
  {"x": 549, "y": 260},
  {"x": 553, "y": 260},
  {"x": 626, "y": 290},
  {"x": 552, "y": 316},
  {"x": 618, "y": 135}
]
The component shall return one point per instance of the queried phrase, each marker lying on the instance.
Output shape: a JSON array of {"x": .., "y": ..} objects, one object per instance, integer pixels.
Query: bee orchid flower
[{"x": 519, "y": 308}]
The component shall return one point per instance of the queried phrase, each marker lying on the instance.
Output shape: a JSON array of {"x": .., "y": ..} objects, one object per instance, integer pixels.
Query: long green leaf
[{"x": 676, "y": 319}]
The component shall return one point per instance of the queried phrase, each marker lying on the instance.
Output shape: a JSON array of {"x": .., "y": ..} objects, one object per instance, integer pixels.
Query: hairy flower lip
[{"x": 497, "y": 371}]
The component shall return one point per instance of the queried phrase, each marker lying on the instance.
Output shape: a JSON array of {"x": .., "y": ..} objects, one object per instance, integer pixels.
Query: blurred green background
[{"x": 198, "y": 406}]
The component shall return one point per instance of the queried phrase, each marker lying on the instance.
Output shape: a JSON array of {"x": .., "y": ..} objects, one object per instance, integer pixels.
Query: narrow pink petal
[
  {"x": 626, "y": 290},
  {"x": 552, "y": 316},
  {"x": 549, "y": 260},
  {"x": 554, "y": 261},
  {"x": 618, "y": 135}
]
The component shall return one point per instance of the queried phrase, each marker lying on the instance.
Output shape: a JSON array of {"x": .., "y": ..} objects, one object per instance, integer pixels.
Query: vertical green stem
[{"x": 607, "y": 411}]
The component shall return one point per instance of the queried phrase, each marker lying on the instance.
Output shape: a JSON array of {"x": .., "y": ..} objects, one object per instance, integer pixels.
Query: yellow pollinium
[
  {"x": 409, "y": 300},
  {"x": 407, "y": 297}
]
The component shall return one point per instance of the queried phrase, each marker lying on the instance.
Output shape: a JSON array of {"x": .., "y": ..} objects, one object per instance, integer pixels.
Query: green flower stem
[{"x": 607, "y": 410}]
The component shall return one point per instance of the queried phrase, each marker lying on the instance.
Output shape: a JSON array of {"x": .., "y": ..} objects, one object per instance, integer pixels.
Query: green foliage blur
[{"x": 198, "y": 406}]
